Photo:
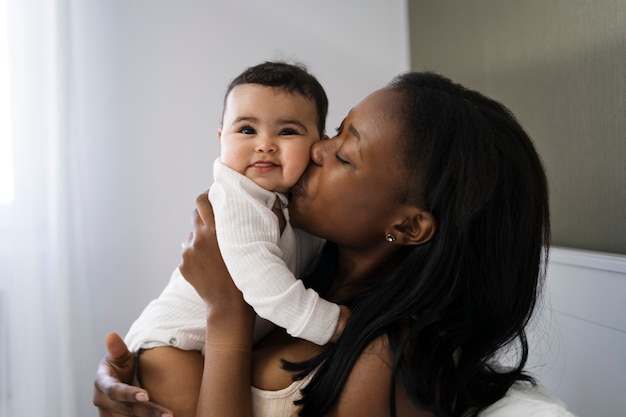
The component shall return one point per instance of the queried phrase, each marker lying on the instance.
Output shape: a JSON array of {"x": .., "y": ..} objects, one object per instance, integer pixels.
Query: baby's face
[{"x": 267, "y": 134}]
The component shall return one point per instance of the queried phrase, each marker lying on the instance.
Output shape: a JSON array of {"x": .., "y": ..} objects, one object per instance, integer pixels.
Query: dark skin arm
[{"x": 225, "y": 389}]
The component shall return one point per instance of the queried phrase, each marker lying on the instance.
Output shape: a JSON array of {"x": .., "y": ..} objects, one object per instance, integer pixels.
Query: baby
[{"x": 272, "y": 115}]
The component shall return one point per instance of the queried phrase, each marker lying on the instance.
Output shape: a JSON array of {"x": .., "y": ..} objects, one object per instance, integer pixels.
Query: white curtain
[{"x": 36, "y": 316}]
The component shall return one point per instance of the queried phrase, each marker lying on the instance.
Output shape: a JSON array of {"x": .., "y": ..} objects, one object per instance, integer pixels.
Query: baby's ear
[{"x": 219, "y": 135}]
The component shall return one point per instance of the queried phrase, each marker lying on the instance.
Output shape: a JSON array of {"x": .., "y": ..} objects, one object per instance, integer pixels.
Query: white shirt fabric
[
  {"x": 526, "y": 400},
  {"x": 263, "y": 264}
]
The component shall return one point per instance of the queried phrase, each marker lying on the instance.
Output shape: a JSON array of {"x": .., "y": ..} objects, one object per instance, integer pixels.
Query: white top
[
  {"x": 178, "y": 316},
  {"x": 526, "y": 400},
  {"x": 278, "y": 403}
]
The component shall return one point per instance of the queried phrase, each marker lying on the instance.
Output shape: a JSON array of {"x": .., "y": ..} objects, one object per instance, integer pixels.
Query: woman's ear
[
  {"x": 416, "y": 227},
  {"x": 219, "y": 136}
]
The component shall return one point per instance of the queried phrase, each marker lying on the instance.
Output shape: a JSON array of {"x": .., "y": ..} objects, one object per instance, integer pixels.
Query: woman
[{"x": 434, "y": 204}]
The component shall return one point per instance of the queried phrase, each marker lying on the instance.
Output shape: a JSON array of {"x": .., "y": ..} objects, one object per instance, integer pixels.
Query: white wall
[
  {"x": 146, "y": 82},
  {"x": 578, "y": 340}
]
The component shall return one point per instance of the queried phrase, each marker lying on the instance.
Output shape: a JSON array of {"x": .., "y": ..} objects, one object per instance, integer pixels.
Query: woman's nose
[{"x": 319, "y": 149}]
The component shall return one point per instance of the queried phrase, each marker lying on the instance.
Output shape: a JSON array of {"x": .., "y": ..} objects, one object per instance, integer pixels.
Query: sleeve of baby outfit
[
  {"x": 176, "y": 318},
  {"x": 308, "y": 250},
  {"x": 247, "y": 234}
]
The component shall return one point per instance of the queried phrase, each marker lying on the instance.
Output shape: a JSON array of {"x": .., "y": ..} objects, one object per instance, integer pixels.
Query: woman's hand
[
  {"x": 225, "y": 388},
  {"x": 203, "y": 266},
  {"x": 112, "y": 393}
]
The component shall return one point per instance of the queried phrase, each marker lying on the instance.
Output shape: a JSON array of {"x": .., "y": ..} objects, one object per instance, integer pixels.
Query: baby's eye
[
  {"x": 288, "y": 132},
  {"x": 247, "y": 130}
]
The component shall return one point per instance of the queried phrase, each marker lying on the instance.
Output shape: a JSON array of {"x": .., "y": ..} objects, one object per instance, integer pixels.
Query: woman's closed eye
[{"x": 341, "y": 160}]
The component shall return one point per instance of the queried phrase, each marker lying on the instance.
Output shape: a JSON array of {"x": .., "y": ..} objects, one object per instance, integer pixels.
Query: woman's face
[{"x": 351, "y": 188}]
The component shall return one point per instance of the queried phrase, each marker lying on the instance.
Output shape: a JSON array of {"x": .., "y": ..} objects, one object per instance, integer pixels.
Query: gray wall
[{"x": 560, "y": 66}]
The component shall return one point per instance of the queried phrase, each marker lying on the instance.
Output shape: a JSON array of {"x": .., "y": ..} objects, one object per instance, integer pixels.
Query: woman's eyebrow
[
  {"x": 357, "y": 135},
  {"x": 354, "y": 132}
]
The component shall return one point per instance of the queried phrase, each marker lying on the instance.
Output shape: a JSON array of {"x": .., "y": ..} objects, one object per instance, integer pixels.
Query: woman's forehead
[
  {"x": 380, "y": 106},
  {"x": 377, "y": 115}
]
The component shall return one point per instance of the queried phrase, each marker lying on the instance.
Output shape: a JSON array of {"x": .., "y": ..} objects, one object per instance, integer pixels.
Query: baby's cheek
[
  {"x": 295, "y": 169},
  {"x": 235, "y": 158}
]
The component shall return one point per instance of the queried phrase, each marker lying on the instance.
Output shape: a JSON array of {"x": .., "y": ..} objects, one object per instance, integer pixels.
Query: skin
[
  {"x": 332, "y": 200},
  {"x": 267, "y": 134}
]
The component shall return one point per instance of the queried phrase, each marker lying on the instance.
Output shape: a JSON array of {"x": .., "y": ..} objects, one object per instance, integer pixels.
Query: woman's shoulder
[
  {"x": 367, "y": 389},
  {"x": 379, "y": 348}
]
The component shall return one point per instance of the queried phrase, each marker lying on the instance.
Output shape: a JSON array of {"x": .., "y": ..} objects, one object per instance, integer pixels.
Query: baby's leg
[{"x": 172, "y": 378}]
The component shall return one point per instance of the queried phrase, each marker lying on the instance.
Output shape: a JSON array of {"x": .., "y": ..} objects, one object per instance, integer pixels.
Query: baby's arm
[
  {"x": 308, "y": 246},
  {"x": 248, "y": 235}
]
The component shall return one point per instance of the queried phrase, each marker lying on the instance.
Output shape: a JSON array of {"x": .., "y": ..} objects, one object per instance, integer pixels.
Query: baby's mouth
[
  {"x": 263, "y": 167},
  {"x": 264, "y": 164}
]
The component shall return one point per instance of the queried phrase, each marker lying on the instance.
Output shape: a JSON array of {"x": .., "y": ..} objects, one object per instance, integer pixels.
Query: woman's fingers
[
  {"x": 202, "y": 264},
  {"x": 115, "y": 372},
  {"x": 118, "y": 351},
  {"x": 203, "y": 205},
  {"x": 110, "y": 408},
  {"x": 112, "y": 394}
]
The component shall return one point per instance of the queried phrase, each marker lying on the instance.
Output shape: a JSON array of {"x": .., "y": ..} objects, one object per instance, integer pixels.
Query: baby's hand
[
  {"x": 344, "y": 316},
  {"x": 277, "y": 209}
]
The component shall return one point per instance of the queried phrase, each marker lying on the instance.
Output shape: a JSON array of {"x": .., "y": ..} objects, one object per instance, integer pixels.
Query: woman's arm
[{"x": 225, "y": 389}]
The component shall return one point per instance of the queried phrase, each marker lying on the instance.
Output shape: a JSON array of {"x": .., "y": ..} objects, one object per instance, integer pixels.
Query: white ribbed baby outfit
[{"x": 263, "y": 264}]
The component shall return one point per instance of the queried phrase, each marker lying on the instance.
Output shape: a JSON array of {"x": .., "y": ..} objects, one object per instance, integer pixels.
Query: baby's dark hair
[{"x": 293, "y": 78}]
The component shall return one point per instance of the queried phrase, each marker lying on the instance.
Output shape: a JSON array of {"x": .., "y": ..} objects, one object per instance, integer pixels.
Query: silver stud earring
[{"x": 390, "y": 237}]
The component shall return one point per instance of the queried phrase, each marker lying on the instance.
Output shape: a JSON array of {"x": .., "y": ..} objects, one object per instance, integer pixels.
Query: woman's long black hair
[{"x": 457, "y": 301}]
